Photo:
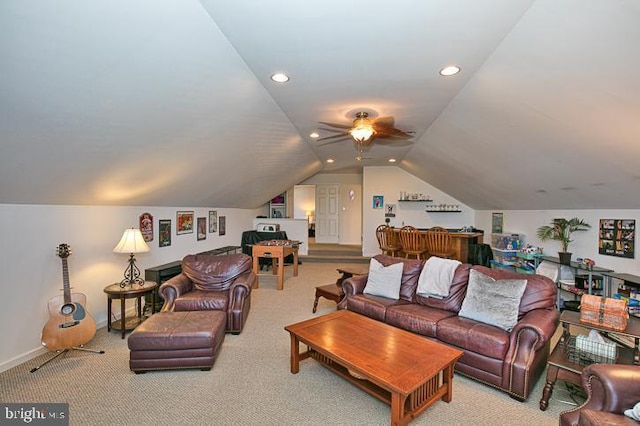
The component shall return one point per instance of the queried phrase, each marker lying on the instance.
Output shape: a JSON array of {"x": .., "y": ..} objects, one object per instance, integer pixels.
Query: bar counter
[{"x": 460, "y": 242}]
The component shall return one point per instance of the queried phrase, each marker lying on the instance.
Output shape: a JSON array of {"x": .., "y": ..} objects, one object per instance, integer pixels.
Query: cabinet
[
  {"x": 278, "y": 206},
  {"x": 562, "y": 365}
]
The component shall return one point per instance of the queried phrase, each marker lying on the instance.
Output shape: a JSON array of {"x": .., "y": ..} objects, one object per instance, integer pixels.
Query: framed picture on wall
[
  {"x": 184, "y": 223},
  {"x": 202, "y": 228},
  {"x": 213, "y": 221},
  {"x": 496, "y": 223},
  {"x": 617, "y": 237},
  {"x": 378, "y": 201},
  {"x": 164, "y": 233},
  {"x": 146, "y": 226},
  {"x": 222, "y": 225}
]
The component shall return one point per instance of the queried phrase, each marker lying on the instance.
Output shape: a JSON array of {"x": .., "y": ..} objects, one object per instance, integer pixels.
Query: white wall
[
  {"x": 304, "y": 200},
  {"x": 388, "y": 182},
  {"x": 32, "y": 273},
  {"x": 585, "y": 243}
]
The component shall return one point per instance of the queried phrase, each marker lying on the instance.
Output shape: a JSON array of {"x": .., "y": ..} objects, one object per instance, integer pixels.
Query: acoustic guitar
[{"x": 69, "y": 322}]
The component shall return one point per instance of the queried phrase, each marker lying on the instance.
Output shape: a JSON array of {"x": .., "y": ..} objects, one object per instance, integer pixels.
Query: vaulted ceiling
[{"x": 170, "y": 102}]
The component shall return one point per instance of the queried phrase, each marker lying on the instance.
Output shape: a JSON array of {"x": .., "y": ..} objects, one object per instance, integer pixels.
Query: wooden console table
[{"x": 276, "y": 250}]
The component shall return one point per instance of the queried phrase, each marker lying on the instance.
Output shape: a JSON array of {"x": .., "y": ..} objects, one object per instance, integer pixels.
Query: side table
[
  {"x": 562, "y": 368},
  {"x": 114, "y": 291},
  {"x": 334, "y": 291}
]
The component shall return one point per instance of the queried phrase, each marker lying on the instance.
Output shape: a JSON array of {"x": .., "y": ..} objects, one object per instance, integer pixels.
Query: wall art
[
  {"x": 164, "y": 233},
  {"x": 146, "y": 226},
  {"x": 617, "y": 237},
  {"x": 378, "y": 201},
  {"x": 222, "y": 225},
  {"x": 202, "y": 228},
  {"x": 213, "y": 221},
  {"x": 184, "y": 222}
]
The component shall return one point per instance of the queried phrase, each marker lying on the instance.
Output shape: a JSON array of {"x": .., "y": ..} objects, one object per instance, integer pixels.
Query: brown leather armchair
[
  {"x": 210, "y": 282},
  {"x": 611, "y": 389}
]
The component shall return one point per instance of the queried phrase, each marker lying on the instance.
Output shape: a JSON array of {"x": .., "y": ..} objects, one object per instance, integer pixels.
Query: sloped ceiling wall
[{"x": 169, "y": 102}]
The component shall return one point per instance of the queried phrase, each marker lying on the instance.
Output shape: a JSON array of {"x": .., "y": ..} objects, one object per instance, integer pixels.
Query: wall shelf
[
  {"x": 415, "y": 201},
  {"x": 443, "y": 211}
]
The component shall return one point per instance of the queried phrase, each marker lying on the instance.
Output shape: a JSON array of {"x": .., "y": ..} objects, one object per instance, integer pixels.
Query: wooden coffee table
[{"x": 404, "y": 370}]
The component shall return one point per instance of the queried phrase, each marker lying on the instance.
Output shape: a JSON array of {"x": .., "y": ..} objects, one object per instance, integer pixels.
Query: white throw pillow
[
  {"x": 494, "y": 302},
  {"x": 384, "y": 281}
]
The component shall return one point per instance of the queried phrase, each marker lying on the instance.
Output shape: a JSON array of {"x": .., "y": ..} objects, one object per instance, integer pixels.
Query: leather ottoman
[{"x": 174, "y": 340}]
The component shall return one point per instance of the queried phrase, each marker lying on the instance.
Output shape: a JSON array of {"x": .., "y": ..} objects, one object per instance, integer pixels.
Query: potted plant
[{"x": 561, "y": 230}]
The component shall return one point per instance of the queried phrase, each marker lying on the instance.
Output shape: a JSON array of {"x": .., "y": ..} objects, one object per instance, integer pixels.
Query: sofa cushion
[
  {"x": 372, "y": 306},
  {"x": 213, "y": 273},
  {"x": 540, "y": 292},
  {"x": 457, "y": 291},
  {"x": 384, "y": 280},
  {"x": 491, "y": 301},
  {"x": 416, "y": 318},
  {"x": 410, "y": 272},
  {"x": 474, "y": 336}
]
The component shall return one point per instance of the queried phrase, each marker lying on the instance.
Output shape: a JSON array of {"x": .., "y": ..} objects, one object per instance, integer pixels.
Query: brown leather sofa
[
  {"x": 510, "y": 361},
  {"x": 611, "y": 389},
  {"x": 210, "y": 282}
]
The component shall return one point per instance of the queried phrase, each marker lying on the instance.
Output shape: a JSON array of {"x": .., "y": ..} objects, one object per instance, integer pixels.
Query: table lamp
[{"x": 131, "y": 242}]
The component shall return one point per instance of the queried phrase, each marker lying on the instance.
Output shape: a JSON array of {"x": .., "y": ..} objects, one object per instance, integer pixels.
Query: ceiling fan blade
[
  {"x": 397, "y": 142},
  {"x": 340, "y": 135},
  {"x": 341, "y": 139},
  {"x": 338, "y": 126},
  {"x": 384, "y": 122},
  {"x": 386, "y": 132}
]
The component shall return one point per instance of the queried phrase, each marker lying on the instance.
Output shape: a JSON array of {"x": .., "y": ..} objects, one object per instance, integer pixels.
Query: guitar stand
[{"x": 64, "y": 351}]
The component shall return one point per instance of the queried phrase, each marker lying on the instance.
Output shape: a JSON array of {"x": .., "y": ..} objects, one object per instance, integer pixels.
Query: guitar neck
[{"x": 66, "y": 288}]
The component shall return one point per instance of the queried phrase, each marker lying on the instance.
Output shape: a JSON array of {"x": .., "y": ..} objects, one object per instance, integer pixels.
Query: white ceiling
[{"x": 169, "y": 102}]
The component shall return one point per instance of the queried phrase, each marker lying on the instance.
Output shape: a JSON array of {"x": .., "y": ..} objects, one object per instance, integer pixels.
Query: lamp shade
[{"x": 132, "y": 241}]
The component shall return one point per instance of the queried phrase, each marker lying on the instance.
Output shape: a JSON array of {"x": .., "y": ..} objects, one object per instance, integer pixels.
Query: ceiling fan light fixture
[
  {"x": 450, "y": 70},
  {"x": 362, "y": 129}
]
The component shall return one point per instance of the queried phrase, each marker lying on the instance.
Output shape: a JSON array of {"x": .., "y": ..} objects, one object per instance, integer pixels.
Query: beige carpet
[{"x": 250, "y": 383}]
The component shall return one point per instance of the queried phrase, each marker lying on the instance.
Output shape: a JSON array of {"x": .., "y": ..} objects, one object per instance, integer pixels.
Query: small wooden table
[
  {"x": 114, "y": 291},
  {"x": 561, "y": 368},
  {"x": 276, "y": 250},
  {"x": 400, "y": 368},
  {"x": 334, "y": 291}
]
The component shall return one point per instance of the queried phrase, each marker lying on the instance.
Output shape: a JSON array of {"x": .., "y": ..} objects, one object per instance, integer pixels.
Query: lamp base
[{"x": 132, "y": 274}]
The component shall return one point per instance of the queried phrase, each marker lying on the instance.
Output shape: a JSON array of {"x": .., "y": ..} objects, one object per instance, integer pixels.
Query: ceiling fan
[{"x": 364, "y": 130}]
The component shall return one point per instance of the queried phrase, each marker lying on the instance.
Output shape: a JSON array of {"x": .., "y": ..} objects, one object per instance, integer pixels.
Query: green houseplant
[{"x": 561, "y": 230}]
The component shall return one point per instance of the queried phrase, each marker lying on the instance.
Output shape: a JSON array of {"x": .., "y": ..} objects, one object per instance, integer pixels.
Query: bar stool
[
  {"x": 412, "y": 242},
  {"x": 439, "y": 242},
  {"x": 387, "y": 240}
]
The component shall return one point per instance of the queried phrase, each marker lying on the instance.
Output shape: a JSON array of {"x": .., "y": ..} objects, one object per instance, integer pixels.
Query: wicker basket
[{"x": 604, "y": 312}]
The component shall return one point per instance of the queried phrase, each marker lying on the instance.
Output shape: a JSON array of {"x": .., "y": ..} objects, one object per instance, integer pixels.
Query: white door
[{"x": 327, "y": 213}]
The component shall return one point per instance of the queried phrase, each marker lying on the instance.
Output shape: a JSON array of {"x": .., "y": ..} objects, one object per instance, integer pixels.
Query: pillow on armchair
[{"x": 491, "y": 301}]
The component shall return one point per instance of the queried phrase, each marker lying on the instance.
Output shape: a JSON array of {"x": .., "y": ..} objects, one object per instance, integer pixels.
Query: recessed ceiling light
[
  {"x": 280, "y": 77},
  {"x": 392, "y": 160},
  {"x": 314, "y": 135},
  {"x": 330, "y": 160},
  {"x": 450, "y": 70}
]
